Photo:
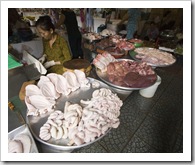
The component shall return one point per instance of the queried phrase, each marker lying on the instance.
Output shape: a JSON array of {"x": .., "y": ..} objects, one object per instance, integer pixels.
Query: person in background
[
  {"x": 132, "y": 17},
  {"x": 18, "y": 30},
  {"x": 14, "y": 17},
  {"x": 152, "y": 32},
  {"x": 167, "y": 22},
  {"x": 68, "y": 18},
  {"x": 82, "y": 16},
  {"x": 54, "y": 14},
  {"x": 55, "y": 48},
  {"x": 89, "y": 19},
  {"x": 145, "y": 15},
  {"x": 108, "y": 12}
]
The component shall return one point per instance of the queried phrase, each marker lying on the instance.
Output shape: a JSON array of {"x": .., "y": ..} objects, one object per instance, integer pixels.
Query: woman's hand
[
  {"x": 51, "y": 63},
  {"x": 57, "y": 63},
  {"x": 42, "y": 59}
]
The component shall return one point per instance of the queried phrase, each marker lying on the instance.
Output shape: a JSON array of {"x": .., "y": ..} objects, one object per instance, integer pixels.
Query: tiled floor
[{"x": 149, "y": 125}]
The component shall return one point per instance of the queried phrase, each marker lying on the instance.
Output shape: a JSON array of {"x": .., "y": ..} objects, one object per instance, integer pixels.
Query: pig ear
[
  {"x": 72, "y": 80},
  {"x": 42, "y": 81},
  {"x": 49, "y": 91},
  {"x": 26, "y": 142},
  {"x": 31, "y": 109},
  {"x": 40, "y": 102},
  {"x": 15, "y": 146},
  {"x": 32, "y": 90}
]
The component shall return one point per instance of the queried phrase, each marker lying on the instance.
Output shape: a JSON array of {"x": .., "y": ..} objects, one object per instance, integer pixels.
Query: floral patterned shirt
[{"x": 59, "y": 52}]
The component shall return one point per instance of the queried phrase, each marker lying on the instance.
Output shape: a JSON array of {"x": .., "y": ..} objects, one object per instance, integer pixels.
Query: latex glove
[
  {"x": 49, "y": 64},
  {"x": 42, "y": 59}
]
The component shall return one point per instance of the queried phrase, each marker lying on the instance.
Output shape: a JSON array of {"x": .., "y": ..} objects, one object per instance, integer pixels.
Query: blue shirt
[{"x": 134, "y": 16}]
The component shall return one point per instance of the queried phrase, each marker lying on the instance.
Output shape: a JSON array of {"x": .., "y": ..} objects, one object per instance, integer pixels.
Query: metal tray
[
  {"x": 91, "y": 41},
  {"x": 104, "y": 77},
  {"x": 133, "y": 54},
  {"x": 24, "y": 130},
  {"x": 35, "y": 123}
]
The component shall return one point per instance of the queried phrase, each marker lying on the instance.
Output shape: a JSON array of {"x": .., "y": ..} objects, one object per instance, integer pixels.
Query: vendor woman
[{"x": 55, "y": 48}]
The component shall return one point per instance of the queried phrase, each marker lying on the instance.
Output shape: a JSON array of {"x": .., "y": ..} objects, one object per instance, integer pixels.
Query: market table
[{"x": 20, "y": 76}]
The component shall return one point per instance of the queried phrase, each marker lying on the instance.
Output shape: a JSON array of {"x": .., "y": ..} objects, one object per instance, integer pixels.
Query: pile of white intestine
[
  {"x": 41, "y": 98},
  {"x": 79, "y": 123},
  {"x": 83, "y": 122}
]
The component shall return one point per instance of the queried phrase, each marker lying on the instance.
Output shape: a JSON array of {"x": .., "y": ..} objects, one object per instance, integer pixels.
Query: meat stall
[{"x": 56, "y": 107}]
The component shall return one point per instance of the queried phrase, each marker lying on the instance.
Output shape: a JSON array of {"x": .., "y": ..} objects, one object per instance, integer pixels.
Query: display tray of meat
[
  {"x": 137, "y": 42},
  {"x": 70, "y": 111},
  {"x": 115, "y": 51},
  {"x": 127, "y": 74},
  {"x": 153, "y": 57},
  {"x": 115, "y": 38},
  {"x": 104, "y": 43},
  {"x": 92, "y": 37}
]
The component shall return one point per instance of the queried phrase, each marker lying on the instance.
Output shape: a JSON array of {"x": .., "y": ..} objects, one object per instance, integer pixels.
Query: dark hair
[{"x": 45, "y": 23}]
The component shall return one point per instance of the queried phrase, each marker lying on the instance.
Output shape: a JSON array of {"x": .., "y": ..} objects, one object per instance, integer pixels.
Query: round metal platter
[
  {"x": 104, "y": 77},
  {"x": 85, "y": 36},
  {"x": 35, "y": 123},
  {"x": 133, "y": 53}
]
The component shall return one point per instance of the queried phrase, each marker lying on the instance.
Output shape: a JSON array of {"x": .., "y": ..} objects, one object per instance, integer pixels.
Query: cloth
[
  {"x": 71, "y": 23},
  {"x": 59, "y": 52},
  {"x": 134, "y": 16},
  {"x": 74, "y": 35},
  {"x": 54, "y": 14},
  {"x": 82, "y": 15},
  {"x": 89, "y": 18},
  {"x": 29, "y": 59}
]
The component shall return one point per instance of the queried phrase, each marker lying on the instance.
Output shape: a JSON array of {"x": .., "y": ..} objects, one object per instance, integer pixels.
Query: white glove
[
  {"x": 51, "y": 63},
  {"x": 42, "y": 59}
]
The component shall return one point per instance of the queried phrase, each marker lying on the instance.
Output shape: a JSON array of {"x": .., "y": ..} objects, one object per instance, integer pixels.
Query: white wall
[{"x": 98, "y": 21}]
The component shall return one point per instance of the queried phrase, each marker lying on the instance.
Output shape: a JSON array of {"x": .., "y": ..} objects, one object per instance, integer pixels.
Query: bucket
[{"x": 150, "y": 91}]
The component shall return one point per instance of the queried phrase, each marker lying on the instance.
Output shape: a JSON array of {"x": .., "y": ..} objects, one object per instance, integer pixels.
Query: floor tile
[
  {"x": 116, "y": 139},
  {"x": 93, "y": 148},
  {"x": 136, "y": 145},
  {"x": 131, "y": 118},
  {"x": 178, "y": 147},
  {"x": 157, "y": 134}
]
